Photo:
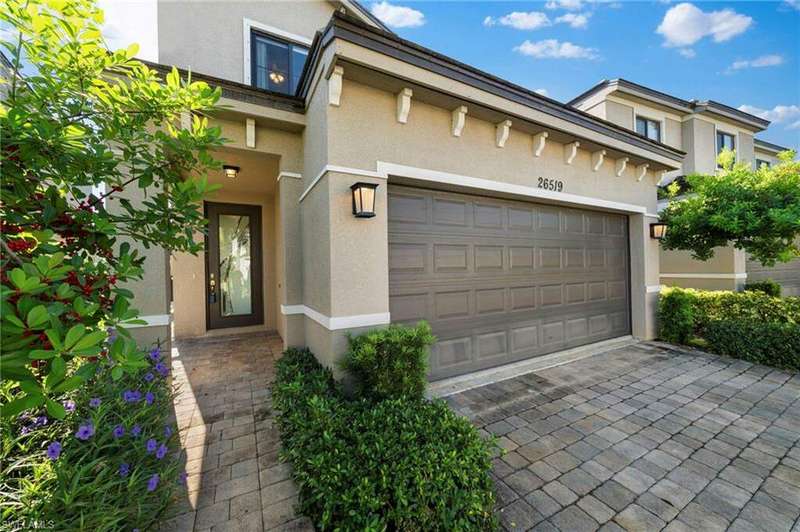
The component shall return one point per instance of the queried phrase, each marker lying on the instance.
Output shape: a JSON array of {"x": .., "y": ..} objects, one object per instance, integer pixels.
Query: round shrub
[
  {"x": 390, "y": 362},
  {"x": 392, "y": 464},
  {"x": 676, "y": 315},
  {"x": 768, "y": 286}
]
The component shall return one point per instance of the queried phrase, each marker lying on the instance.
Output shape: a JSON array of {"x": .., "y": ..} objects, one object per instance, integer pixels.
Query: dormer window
[
  {"x": 649, "y": 128},
  {"x": 276, "y": 63}
]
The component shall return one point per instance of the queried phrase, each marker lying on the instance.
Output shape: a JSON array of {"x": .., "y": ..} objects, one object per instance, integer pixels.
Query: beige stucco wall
[
  {"x": 619, "y": 114},
  {"x": 724, "y": 271},
  {"x": 216, "y": 46}
]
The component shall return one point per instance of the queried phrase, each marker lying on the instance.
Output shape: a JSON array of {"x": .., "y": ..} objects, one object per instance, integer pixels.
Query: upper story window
[
  {"x": 649, "y": 128},
  {"x": 762, "y": 162},
  {"x": 276, "y": 64},
  {"x": 725, "y": 141}
]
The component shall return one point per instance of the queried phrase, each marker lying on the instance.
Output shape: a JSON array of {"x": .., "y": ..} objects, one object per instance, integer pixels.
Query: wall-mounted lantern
[
  {"x": 230, "y": 171},
  {"x": 363, "y": 199},
  {"x": 658, "y": 230}
]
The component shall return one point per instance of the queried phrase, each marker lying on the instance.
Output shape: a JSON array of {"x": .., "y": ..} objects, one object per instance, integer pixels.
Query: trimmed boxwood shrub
[
  {"x": 768, "y": 286},
  {"x": 393, "y": 464},
  {"x": 750, "y": 325},
  {"x": 773, "y": 344},
  {"x": 390, "y": 362}
]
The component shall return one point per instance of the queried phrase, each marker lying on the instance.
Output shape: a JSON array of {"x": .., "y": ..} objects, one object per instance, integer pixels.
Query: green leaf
[
  {"x": 69, "y": 384},
  {"x": 90, "y": 340},
  {"x": 55, "y": 338},
  {"x": 116, "y": 373},
  {"x": 21, "y": 404},
  {"x": 41, "y": 354},
  {"x": 37, "y": 317},
  {"x": 75, "y": 333},
  {"x": 55, "y": 409},
  {"x": 58, "y": 369}
]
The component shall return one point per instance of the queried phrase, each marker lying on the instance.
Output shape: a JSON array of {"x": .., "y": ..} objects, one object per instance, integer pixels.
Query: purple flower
[
  {"x": 155, "y": 354},
  {"x": 119, "y": 431},
  {"x": 149, "y": 398},
  {"x": 112, "y": 335},
  {"x": 85, "y": 431},
  {"x": 124, "y": 469},
  {"x": 152, "y": 484},
  {"x": 41, "y": 421},
  {"x": 182, "y": 478},
  {"x": 131, "y": 396},
  {"x": 136, "y": 430},
  {"x": 151, "y": 445},
  {"x": 162, "y": 369},
  {"x": 69, "y": 406},
  {"x": 167, "y": 431},
  {"x": 148, "y": 376},
  {"x": 25, "y": 430},
  {"x": 162, "y": 451},
  {"x": 54, "y": 450},
  {"x": 94, "y": 402}
]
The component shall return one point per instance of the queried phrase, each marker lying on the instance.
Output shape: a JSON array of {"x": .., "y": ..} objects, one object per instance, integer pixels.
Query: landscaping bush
[
  {"x": 768, "y": 286},
  {"x": 676, "y": 315},
  {"x": 393, "y": 464},
  {"x": 110, "y": 464},
  {"x": 390, "y": 362},
  {"x": 773, "y": 344}
]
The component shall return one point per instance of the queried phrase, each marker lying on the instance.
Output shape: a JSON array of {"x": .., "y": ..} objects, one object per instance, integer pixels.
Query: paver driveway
[
  {"x": 226, "y": 427},
  {"x": 643, "y": 438}
]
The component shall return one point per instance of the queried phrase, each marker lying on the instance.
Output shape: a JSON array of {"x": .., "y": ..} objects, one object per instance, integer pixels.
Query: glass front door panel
[{"x": 235, "y": 279}]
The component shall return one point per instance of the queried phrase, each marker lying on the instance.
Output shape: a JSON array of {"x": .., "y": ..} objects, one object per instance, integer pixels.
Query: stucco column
[
  {"x": 644, "y": 277},
  {"x": 289, "y": 258}
]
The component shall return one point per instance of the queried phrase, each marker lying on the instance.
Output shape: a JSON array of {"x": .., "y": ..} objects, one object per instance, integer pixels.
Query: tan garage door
[{"x": 501, "y": 281}]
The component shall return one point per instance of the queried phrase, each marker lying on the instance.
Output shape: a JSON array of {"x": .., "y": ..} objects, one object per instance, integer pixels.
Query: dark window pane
[
  {"x": 653, "y": 130},
  {"x": 299, "y": 56},
  {"x": 641, "y": 126}
]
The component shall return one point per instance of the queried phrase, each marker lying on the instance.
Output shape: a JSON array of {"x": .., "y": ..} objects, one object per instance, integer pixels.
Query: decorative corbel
[
  {"x": 250, "y": 132},
  {"x": 597, "y": 159},
  {"x": 459, "y": 119},
  {"x": 641, "y": 171},
  {"x": 502, "y": 129},
  {"x": 335, "y": 86},
  {"x": 570, "y": 151},
  {"x": 539, "y": 140},
  {"x": 622, "y": 163},
  {"x": 404, "y": 104}
]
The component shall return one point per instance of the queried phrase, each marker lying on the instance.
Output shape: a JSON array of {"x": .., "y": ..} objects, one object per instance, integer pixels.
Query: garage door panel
[{"x": 501, "y": 281}]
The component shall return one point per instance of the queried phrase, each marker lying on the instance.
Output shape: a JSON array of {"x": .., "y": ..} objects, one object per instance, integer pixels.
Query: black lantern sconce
[
  {"x": 363, "y": 199},
  {"x": 658, "y": 230},
  {"x": 230, "y": 171}
]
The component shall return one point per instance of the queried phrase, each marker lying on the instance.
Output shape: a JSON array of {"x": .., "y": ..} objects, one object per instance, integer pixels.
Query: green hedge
[
  {"x": 768, "y": 286},
  {"x": 773, "y": 344},
  {"x": 391, "y": 362},
  {"x": 394, "y": 464},
  {"x": 761, "y": 327}
]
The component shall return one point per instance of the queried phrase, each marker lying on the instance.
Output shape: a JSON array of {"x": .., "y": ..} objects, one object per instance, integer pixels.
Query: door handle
[{"x": 212, "y": 289}]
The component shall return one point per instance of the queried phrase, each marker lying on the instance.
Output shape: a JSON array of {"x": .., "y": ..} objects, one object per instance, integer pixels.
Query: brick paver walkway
[
  {"x": 645, "y": 438},
  {"x": 236, "y": 482}
]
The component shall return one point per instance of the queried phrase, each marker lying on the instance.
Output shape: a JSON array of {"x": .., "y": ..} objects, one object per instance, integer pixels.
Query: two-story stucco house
[
  {"x": 701, "y": 129},
  {"x": 516, "y": 225}
]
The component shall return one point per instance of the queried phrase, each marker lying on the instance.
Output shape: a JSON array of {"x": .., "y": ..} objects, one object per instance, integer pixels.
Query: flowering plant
[
  {"x": 75, "y": 472},
  {"x": 96, "y": 163}
]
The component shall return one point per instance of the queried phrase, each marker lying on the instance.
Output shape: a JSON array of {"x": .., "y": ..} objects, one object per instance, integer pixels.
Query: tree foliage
[
  {"x": 84, "y": 133},
  {"x": 754, "y": 210}
]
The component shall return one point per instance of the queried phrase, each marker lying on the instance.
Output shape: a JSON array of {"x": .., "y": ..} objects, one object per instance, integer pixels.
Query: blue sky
[{"x": 737, "y": 53}]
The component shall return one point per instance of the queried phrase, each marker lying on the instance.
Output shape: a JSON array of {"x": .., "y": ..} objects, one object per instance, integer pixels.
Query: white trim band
[
  {"x": 153, "y": 320},
  {"x": 705, "y": 275},
  {"x": 342, "y": 170},
  {"x": 654, "y": 288},
  {"x": 338, "y": 322},
  {"x": 293, "y": 175}
]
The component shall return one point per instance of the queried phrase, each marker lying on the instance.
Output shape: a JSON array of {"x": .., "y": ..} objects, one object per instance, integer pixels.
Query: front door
[{"x": 234, "y": 287}]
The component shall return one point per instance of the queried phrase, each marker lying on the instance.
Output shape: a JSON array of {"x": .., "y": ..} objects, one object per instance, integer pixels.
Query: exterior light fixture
[
  {"x": 230, "y": 171},
  {"x": 363, "y": 199},
  {"x": 658, "y": 230},
  {"x": 276, "y": 77}
]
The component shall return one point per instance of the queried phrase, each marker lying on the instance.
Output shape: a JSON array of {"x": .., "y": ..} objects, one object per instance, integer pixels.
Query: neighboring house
[
  {"x": 516, "y": 225},
  {"x": 701, "y": 129}
]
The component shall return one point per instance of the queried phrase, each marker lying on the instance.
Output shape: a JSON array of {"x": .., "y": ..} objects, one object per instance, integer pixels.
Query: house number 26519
[{"x": 551, "y": 184}]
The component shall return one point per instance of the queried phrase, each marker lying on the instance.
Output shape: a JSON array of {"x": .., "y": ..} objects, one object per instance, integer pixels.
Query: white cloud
[
  {"x": 520, "y": 20},
  {"x": 575, "y": 20},
  {"x": 688, "y": 53},
  {"x": 543, "y": 92},
  {"x": 685, "y": 24},
  {"x": 794, "y": 4},
  {"x": 571, "y": 5},
  {"x": 397, "y": 16},
  {"x": 777, "y": 115},
  {"x": 553, "y": 49},
  {"x": 758, "y": 62},
  {"x": 131, "y": 21}
]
